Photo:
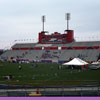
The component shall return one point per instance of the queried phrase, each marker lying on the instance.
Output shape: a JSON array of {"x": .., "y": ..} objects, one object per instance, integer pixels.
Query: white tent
[
  {"x": 76, "y": 61},
  {"x": 95, "y": 65}
]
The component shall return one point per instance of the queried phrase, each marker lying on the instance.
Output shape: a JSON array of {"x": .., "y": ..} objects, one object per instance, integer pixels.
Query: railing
[{"x": 52, "y": 91}]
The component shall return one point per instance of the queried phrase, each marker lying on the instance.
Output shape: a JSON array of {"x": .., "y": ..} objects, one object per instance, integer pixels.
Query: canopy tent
[
  {"x": 95, "y": 65},
  {"x": 76, "y": 61}
]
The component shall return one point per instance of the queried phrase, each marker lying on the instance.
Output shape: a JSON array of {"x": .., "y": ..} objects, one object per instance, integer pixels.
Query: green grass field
[{"x": 46, "y": 74}]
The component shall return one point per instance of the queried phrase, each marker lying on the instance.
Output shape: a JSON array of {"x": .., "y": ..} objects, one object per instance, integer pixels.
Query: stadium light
[
  {"x": 67, "y": 17},
  {"x": 43, "y": 20}
]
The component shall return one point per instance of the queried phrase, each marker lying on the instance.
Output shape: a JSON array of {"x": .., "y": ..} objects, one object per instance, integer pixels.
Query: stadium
[{"x": 41, "y": 71}]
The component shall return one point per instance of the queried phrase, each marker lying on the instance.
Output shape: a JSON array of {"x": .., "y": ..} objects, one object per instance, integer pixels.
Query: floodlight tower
[
  {"x": 70, "y": 33},
  {"x": 43, "y": 20},
  {"x": 67, "y": 17}
]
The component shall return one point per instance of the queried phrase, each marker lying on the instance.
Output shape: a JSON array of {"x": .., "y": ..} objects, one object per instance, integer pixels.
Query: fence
[{"x": 52, "y": 91}]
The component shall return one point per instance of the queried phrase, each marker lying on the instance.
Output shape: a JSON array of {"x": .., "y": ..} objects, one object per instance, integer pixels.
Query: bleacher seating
[{"x": 54, "y": 55}]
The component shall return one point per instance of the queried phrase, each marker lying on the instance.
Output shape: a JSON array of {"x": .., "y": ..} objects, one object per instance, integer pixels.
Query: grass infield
[{"x": 46, "y": 74}]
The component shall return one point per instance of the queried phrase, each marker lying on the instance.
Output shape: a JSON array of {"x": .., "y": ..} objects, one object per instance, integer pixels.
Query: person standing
[{"x": 20, "y": 67}]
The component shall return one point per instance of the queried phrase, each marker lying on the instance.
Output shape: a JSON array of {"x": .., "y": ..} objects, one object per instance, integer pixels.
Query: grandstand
[
  {"x": 88, "y": 51},
  {"x": 55, "y": 47}
]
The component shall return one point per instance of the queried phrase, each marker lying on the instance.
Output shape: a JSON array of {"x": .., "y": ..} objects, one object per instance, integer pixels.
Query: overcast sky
[{"x": 21, "y": 19}]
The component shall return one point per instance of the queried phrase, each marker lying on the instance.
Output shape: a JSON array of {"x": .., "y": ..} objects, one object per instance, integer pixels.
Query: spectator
[{"x": 20, "y": 67}]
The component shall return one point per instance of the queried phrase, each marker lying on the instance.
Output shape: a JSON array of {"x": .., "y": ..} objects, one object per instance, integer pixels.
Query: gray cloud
[{"x": 22, "y": 18}]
